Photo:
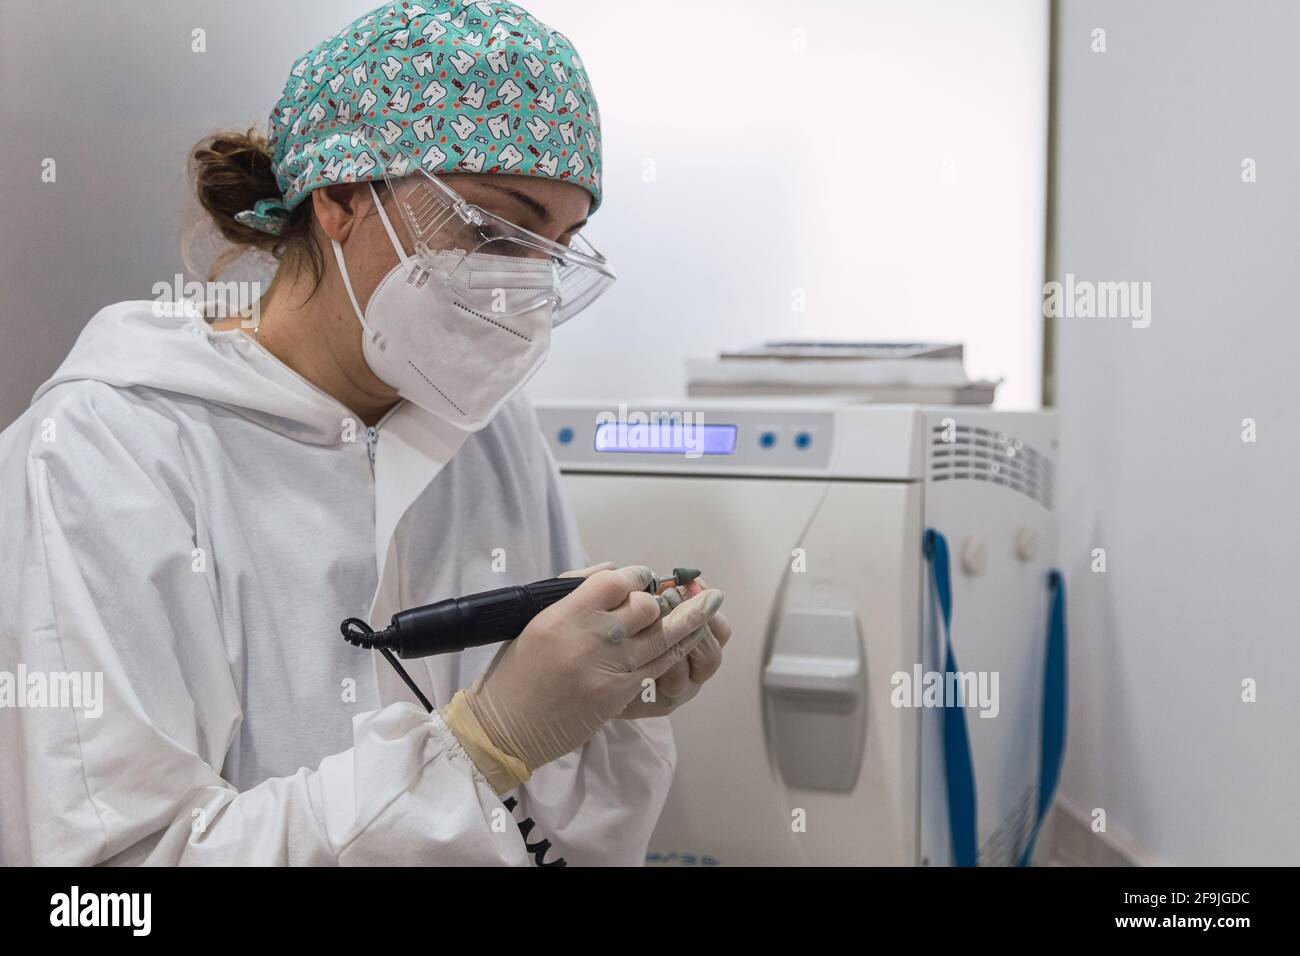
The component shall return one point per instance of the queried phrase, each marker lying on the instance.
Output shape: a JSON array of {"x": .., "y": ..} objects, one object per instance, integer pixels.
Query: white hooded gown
[{"x": 184, "y": 515}]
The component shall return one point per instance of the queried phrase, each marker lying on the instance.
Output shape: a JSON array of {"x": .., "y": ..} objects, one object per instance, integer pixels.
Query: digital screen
[{"x": 666, "y": 438}]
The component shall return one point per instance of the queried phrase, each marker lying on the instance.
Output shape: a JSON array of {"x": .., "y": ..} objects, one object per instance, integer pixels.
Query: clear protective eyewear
[{"x": 445, "y": 229}]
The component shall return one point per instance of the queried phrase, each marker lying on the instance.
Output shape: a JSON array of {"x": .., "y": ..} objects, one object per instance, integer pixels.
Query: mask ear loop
[
  {"x": 343, "y": 268},
  {"x": 388, "y": 226}
]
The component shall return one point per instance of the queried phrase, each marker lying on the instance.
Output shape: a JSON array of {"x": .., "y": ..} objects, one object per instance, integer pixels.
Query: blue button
[
  {"x": 767, "y": 439},
  {"x": 565, "y": 436},
  {"x": 802, "y": 440}
]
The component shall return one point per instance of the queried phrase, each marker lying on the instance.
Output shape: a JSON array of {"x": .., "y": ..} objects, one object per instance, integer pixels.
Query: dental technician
[{"x": 192, "y": 504}]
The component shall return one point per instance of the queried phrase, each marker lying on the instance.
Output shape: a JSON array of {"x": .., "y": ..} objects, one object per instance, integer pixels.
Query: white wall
[
  {"x": 823, "y": 171},
  {"x": 775, "y": 170},
  {"x": 1200, "y": 529}
]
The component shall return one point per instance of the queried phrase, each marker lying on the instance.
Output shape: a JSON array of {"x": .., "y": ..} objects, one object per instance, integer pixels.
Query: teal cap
[{"x": 453, "y": 87}]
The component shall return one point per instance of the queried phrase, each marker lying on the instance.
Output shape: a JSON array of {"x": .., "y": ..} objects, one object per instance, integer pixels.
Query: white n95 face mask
[{"x": 458, "y": 354}]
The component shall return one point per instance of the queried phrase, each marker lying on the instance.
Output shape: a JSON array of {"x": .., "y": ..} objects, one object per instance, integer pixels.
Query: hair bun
[{"x": 232, "y": 173}]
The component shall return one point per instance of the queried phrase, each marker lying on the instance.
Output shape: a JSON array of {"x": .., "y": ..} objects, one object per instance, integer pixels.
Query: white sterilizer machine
[{"x": 893, "y": 693}]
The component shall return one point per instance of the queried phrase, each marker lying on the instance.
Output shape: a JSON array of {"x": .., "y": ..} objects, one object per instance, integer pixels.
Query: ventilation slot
[{"x": 980, "y": 454}]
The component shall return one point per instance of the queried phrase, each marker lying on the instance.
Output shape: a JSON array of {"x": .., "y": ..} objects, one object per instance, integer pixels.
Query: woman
[{"x": 192, "y": 506}]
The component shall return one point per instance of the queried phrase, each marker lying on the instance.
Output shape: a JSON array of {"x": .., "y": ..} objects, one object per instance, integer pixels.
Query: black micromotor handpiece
[{"x": 488, "y": 617}]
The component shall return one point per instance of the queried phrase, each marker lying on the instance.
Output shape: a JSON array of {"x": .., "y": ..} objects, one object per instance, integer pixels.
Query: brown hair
[{"x": 231, "y": 172}]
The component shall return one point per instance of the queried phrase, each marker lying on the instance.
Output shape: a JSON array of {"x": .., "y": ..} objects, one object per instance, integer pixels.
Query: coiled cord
[{"x": 360, "y": 634}]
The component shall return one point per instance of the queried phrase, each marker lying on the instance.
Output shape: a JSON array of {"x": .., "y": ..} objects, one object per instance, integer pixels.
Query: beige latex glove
[
  {"x": 682, "y": 681},
  {"x": 574, "y": 667}
]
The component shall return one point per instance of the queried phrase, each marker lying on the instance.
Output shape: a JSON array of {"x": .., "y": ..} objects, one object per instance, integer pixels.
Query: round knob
[
  {"x": 1026, "y": 543},
  {"x": 974, "y": 556}
]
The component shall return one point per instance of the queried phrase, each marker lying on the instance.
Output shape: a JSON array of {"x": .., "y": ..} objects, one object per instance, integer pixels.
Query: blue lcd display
[{"x": 666, "y": 438}]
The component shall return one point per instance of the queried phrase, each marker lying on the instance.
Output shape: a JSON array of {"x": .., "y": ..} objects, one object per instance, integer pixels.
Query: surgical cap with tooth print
[{"x": 450, "y": 86}]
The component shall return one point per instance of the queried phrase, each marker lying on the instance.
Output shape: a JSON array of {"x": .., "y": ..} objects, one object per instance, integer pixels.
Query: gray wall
[
  {"x": 113, "y": 93},
  {"x": 1200, "y": 529}
]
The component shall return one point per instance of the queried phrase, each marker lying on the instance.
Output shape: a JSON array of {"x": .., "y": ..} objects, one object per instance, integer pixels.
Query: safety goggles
[{"x": 445, "y": 229}]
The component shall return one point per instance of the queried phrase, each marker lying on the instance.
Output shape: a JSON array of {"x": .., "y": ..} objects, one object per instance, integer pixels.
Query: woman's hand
[
  {"x": 575, "y": 667},
  {"x": 682, "y": 681}
]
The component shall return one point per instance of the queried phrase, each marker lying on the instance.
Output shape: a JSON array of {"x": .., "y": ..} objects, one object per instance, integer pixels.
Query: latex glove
[
  {"x": 574, "y": 667},
  {"x": 682, "y": 681}
]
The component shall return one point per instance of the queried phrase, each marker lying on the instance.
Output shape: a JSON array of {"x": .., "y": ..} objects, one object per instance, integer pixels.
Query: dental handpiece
[{"x": 488, "y": 617}]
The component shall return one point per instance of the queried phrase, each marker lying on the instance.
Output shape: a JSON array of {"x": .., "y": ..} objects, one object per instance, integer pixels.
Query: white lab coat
[{"x": 188, "y": 517}]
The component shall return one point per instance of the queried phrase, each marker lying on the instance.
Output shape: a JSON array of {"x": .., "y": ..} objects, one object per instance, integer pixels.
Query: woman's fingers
[
  {"x": 669, "y": 641},
  {"x": 637, "y": 616},
  {"x": 608, "y": 589},
  {"x": 721, "y": 629},
  {"x": 720, "y": 626},
  {"x": 706, "y": 658},
  {"x": 676, "y": 636},
  {"x": 673, "y": 684},
  {"x": 588, "y": 572}
]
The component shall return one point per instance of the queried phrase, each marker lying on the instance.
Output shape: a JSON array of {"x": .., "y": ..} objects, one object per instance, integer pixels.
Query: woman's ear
[{"x": 340, "y": 208}]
